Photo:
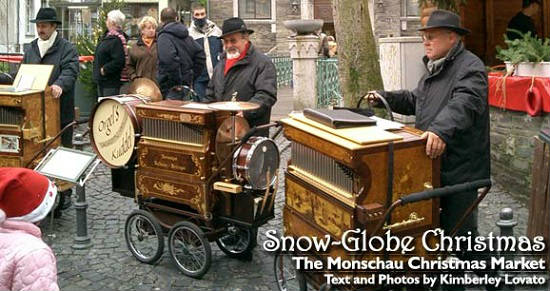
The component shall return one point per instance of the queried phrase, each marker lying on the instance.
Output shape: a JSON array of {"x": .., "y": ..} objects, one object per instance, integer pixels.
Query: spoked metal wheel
[
  {"x": 286, "y": 275},
  {"x": 144, "y": 236},
  {"x": 189, "y": 249},
  {"x": 237, "y": 242}
]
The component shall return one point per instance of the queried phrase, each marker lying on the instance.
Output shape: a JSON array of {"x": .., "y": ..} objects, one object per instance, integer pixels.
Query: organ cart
[
  {"x": 358, "y": 177},
  {"x": 200, "y": 176},
  {"x": 28, "y": 119}
]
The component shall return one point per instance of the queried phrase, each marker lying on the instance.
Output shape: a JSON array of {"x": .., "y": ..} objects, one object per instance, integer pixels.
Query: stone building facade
[
  {"x": 394, "y": 18},
  {"x": 391, "y": 18},
  {"x": 270, "y": 35},
  {"x": 512, "y": 143}
]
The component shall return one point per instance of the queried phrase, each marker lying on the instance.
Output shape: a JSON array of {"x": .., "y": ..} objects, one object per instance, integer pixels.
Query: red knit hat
[{"x": 25, "y": 194}]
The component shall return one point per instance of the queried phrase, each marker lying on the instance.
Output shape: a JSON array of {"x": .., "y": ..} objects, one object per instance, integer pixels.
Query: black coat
[
  {"x": 109, "y": 54},
  {"x": 181, "y": 59},
  {"x": 254, "y": 78},
  {"x": 523, "y": 23},
  {"x": 452, "y": 103},
  {"x": 64, "y": 56}
]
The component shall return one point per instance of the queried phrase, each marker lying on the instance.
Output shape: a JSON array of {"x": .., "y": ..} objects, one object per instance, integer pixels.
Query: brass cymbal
[
  {"x": 224, "y": 137},
  {"x": 145, "y": 87},
  {"x": 234, "y": 106}
]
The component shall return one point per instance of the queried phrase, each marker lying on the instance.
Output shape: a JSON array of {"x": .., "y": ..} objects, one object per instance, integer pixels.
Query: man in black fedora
[
  {"x": 244, "y": 73},
  {"x": 451, "y": 107},
  {"x": 50, "y": 48}
]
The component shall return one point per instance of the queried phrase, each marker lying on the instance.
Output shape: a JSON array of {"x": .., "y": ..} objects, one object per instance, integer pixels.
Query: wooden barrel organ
[
  {"x": 337, "y": 180},
  {"x": 28, "y": 120},
  {"x": 183, "y": 186}
]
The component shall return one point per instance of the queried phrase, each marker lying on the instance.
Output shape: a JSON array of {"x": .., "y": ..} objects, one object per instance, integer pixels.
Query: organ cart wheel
[
  {"x": 286, "y": 275},
  {"x": 189, "y": 249},
  {"x": 237, "y": 242},
  {"x": 144, "y": 236}
]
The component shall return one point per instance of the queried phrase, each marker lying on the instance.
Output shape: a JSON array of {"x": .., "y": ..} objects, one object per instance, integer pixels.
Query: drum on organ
[{"x": 115, "y": 128}]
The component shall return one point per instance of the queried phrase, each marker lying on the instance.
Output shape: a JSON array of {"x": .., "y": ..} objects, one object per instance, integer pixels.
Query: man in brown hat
[
  {"x": 450, "y": 104},
  {"x": 50, "y": 48},
  {"x": 244, "y": 73}
]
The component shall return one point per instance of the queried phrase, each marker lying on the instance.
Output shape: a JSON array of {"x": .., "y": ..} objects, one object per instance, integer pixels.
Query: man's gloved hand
[
  {"x": 435, "y": 146},
  {"x": 373, "y": 98}
]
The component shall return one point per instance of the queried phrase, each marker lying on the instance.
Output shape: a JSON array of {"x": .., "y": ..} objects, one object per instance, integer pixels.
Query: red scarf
[{"x": 230, "y": 62}]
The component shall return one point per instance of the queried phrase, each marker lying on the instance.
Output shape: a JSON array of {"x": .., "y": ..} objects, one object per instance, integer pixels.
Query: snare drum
[
  {"x": 254, "y": 159},
  {"x": 114, "y": 126}
]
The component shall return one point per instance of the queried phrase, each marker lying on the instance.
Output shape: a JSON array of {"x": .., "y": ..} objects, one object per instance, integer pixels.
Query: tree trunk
[{"x": 358, "y": 63}]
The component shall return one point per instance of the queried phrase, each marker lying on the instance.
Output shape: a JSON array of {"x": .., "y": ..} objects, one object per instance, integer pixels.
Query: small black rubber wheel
[
  {"x": 144, "y": 236},
  {"x": 237, "y": 242},
  {"x": 189, "y": 249}
]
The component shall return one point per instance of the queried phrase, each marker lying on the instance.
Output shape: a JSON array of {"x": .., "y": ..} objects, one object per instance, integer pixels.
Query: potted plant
[
  {"x": 427, "y": 6},
  {"x": 527, "y": 56}
]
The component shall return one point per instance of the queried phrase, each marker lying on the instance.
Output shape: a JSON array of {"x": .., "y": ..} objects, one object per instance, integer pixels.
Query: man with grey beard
[{"x": 244, "y": 73}]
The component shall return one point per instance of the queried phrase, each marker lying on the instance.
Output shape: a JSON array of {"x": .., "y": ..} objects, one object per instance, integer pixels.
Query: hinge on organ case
[{"x": 347, "y": 170}]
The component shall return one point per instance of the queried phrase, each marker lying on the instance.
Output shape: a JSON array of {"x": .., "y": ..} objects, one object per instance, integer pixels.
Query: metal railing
[
  {"x": 283, "y": 65},
  {"x": 328, "y": 83}
]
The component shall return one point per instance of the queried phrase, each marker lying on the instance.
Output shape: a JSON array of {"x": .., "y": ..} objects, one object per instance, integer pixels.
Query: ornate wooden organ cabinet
[
  {"x": 175, "y": 154},
  {"x": 28, "y": 120},
  {"x": 341, "y": 179}
]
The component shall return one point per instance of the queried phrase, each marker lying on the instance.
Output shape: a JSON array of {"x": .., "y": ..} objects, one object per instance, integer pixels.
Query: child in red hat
[{"x": 26, "y": 262}]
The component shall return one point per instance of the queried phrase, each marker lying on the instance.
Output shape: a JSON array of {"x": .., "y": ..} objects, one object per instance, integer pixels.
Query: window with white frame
[
  {"x": 255, "y": 9},
  {"x": 410, "y": 8},
  {"x": 29, "y": 28}
]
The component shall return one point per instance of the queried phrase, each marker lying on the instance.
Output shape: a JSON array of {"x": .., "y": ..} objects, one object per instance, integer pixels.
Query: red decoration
[
  {"x": 527, "y": 94},
  {"x": 19, "y": 58}
]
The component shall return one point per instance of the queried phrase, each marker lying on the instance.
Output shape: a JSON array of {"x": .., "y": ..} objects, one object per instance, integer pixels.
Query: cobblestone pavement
[{"x": 109, "y": 265}]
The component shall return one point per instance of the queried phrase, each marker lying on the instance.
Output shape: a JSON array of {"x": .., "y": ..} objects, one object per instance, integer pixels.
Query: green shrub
[{"x": 528, "y": 48}]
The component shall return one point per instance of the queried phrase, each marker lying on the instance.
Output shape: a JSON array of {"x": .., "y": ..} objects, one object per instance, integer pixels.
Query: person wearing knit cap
[{"x": 26, "y": 262}]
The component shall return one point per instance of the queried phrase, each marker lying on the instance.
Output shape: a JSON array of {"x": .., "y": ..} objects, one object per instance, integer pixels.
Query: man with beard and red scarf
[{"x": 244, "y": 72}]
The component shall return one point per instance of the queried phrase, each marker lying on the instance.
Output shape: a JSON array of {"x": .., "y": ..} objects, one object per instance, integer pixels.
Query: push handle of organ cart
[
  {"x": 441, "y": 192},
  {"x": 444, "y": 191},
  {"x": 374, "y": 98}
]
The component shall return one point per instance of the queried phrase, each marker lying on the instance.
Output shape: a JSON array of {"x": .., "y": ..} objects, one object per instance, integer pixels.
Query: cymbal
[
  {"x": 224, "y": 138},
  {"x": 145, "y": 87},
  {"x": 234, "y": 106}
]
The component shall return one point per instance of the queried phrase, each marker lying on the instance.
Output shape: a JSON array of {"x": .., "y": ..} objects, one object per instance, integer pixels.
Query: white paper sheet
[
  {"x": 387, "y": 124},
  {"x": 25, "y": 83},
  {"x": 66, "y": 164}
]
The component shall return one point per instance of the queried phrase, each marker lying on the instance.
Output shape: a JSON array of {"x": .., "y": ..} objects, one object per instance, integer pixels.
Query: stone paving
[{"x": 109, "y": 265}]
